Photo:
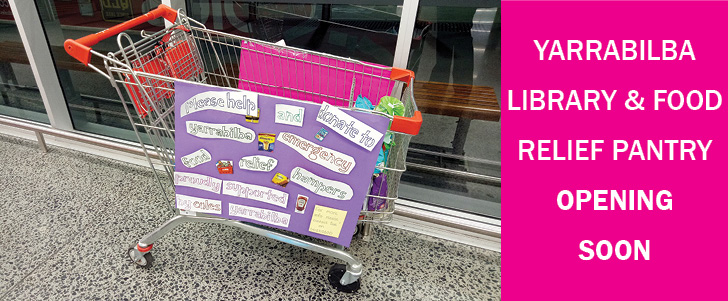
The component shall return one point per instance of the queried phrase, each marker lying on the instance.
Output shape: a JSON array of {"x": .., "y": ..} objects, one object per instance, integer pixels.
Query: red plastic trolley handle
[
  {"x": 407, "y": 125},
  {"x": 80, "y": 49}
]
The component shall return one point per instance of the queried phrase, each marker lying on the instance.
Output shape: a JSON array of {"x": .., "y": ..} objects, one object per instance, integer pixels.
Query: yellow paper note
[{"x": 327, "y": 221}]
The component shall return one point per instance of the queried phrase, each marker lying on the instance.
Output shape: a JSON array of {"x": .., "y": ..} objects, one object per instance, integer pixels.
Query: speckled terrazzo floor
[{"x": 68, "y": 217}]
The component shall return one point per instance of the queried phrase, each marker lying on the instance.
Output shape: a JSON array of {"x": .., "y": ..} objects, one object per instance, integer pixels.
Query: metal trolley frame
[{"x": 143, "y": 72}]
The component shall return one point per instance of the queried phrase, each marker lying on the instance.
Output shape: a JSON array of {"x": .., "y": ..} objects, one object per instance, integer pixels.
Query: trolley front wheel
[
  {"x": 143, "y": 260},
  {"x": 358, "y": 230},
  {"x": 336, "y": 273}
]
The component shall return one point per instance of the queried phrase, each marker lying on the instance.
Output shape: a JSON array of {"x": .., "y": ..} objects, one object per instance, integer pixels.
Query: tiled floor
[{"x": 68, "y": 219}]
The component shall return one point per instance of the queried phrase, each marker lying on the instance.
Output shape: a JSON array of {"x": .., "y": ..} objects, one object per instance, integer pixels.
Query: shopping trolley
[{"x": 186, "y": 50}]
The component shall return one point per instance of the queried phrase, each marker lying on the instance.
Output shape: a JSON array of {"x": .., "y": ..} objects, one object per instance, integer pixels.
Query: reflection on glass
[
  {"x": 94, "y": 104},
  {"x": 455, "y": 160},
  {"x": 363, "y": 32},
  {"x": 19, "y": 96}
]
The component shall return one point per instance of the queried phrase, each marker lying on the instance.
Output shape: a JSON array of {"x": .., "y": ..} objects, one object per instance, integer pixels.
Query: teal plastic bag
[
  {"x": 381, "y": 160},
  {"x": 363, "y": 103}
]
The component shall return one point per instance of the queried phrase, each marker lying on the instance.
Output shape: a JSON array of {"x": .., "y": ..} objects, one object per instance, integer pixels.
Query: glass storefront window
[
  {"x": 19, "y": 95},
  {"x": 92, "y": 101},
  {"x": 457, "y": 152},
  {"x": 455, "y": 160}
]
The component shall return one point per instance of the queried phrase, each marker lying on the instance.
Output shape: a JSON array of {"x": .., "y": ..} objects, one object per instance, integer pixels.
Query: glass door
[
  {"x": 455, "y": 160},
  {"x": 19, "y": 95}
]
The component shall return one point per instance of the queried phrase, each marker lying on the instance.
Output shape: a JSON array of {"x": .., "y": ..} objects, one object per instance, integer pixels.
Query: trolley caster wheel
[
  {"x": 142, "y": 260},
  {"x": 335, "y": 273},
  {"x": 358, "y": 230}
]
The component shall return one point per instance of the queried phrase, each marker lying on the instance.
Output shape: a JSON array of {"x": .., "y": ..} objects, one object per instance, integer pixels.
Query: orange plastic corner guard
[
  {"x": 402, "y": 75},
  {"x": 407, "y": 125},
  {"x": 80, "y": 49}
]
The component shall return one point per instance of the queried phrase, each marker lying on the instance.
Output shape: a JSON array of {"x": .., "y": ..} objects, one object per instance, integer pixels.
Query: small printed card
[
  {"x": 266, "y": 142},
  {"x": 327, "y": 221},
  {"x": 321, "y": 134},
  {"x": 225, "y": 167},
  {"x": 349, "y": 127},
  {"x": 290, "y": 115},
  {"x": 301, "y": 202}
]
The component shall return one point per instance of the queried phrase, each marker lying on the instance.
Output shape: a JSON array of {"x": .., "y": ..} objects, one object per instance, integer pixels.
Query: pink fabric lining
[{"x": 286, "y": 72}]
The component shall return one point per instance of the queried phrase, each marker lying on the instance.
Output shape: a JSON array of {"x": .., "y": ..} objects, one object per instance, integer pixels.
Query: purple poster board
[{"x": 225, "y": 168}]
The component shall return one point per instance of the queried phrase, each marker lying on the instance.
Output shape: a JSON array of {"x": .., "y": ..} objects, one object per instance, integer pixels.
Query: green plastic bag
[{"x": 391, "y": 106}]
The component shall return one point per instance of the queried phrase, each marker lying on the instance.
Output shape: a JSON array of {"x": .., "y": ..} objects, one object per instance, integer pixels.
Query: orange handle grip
[
  {"x": 80, "y": 49},
  {"x": 407, "y": 125}
]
